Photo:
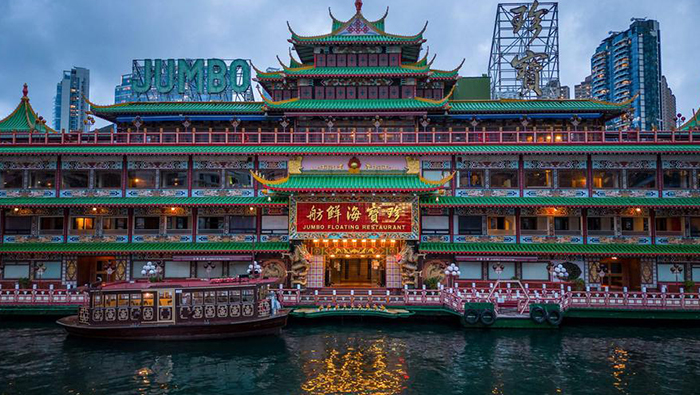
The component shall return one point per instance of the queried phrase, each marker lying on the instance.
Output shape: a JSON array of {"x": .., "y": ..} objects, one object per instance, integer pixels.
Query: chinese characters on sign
[
  {"x": 354, "y": 217},
  {"x": 529, "y": 66}
]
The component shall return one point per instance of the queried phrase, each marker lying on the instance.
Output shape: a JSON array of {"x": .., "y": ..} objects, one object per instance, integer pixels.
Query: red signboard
[{"x": 362, "y": 219}]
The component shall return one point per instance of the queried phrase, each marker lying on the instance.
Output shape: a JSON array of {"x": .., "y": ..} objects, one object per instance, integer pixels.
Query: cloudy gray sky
[{"x": 40, "y": 38}]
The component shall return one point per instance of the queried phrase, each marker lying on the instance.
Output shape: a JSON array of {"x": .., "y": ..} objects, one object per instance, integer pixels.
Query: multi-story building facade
[
  {"x": 69, "y": 106},
  {"x": 583, "y": 90},
  {"x": 627, "y": 66},
  {"x": 122, "y": 92},
  {"x": 360, "y": 170},
  {"x": 668, "y": 106}
]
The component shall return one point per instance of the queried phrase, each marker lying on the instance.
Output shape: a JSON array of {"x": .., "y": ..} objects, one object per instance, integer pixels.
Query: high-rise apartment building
[
  {"x": 69, "y": 107},
  {"x": 583, "y": 90},
  {"x": 627, "y": 65},
  {"x": 668, "y": 106},
  {"x": 122, "y": 92}
]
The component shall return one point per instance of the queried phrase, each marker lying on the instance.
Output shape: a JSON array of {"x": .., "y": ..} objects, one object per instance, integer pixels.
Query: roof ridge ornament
[
  {"x": 25, "y": 91},
  {"x": 358, "y": 6}
]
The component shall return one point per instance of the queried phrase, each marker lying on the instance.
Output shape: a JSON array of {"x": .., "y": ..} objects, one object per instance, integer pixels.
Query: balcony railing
[{"x": 338, "y": 136}]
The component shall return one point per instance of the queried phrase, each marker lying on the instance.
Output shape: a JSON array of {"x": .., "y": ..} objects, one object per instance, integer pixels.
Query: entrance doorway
[
  {"x": 621, "y": 273},
  {"x": 355, "y": 272},
  {"x": 96, "y": 269}
]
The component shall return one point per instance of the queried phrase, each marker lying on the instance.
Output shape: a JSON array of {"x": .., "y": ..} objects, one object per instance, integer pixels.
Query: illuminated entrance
[{"x": 360, "y": 272}]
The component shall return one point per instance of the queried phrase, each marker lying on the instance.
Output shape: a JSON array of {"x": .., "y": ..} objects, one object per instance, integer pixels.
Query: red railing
[
  {"x": 338, "y": 136},
  {"x": 42, "y": 297}
]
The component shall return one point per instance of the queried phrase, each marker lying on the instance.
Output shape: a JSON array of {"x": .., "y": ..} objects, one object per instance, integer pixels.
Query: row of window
[
  {"x": 472, "y": 225},
  {"x": 358, "y": 60},
  {"x": 576, "y": 179},
  {"x": 236, "y": 224},
  {"x": 136, "y": 179}
]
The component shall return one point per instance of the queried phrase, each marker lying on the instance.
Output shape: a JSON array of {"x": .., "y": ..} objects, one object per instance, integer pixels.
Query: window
[
  {"x": 142, "y": 179},
  {"x": 108, "y": 179},
  {"x": 210, "y": 269},
  {"x": 240, "y": 224},
  {"x": 83, "y": 225},
  {"x": 470, "y": 270},
  {"x": 176, "y": 270},
  {"x": 210, "y": 225},
  {"x": 501, "y": 225},
  {"x": 470, "y": 225},
  {"x": 173, "y": 179},
  {"x": 435, "y": 225},
  {"x": 601, "y": 226},
  {"x": 147, "y": 225},
  {"x": 535, "y": 271},
  {"x": 635, "y": 226},
  {"x": 695, "y": 227},
  {"x": 75, "y": 179},
  {"x": 606, "y": 179},
  {"x": 18, "y": 225},
  {"x": 12, "y": 179},
  {"x": 50, "y": 225},
  {"x": 567, "y": 226},
  {"x": 242, "y": 179},
  {"x": 538, "y": 178},
  {"x": 533, "y": 225},
  {"x": 666, "y": 275},
  {"x": 177, "y": 224},
  {"x": 115, "y": 224},
  {"x": 207, "y": 179},
  {"x": 41, "y": 179},
  {"x": 15, "y": 270},
  {"x": 504, "y": 178},
  {"x": 275, "y": 224},
  {"x": 669, "y": 226},
  {"x": 677, "y": 179},
  {"x": 641, "y": 179},
  {"x": 51, "y": 270},
  {"x": 572, "y": 178},
  {"x": 236, "y": 269},
  {"x": 471, "y": 179}
]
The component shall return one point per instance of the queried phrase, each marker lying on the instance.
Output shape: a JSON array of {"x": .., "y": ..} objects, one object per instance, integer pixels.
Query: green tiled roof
[
  {"x": 143, "y": 201},
  {"x": 564, "y": 249},
  {"x": 453, "y": 201},
  {"x": 353, "y": 183},
  {"x": 23, "y": 119},
  {"x": 180, "y": 108},
  {"x": 354, "y": 150},
  {"x": 348, "y": 71},
  {"x": 693, "y": 123},
  {"x": 501, "y": 106},
  {"x": 119, "y": 248},
  {"x": 367, "y": 38},
  {"x": 356, "y": 105}
]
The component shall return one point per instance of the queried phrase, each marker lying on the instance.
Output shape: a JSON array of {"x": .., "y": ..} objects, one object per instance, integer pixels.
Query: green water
[{"x": 356, "y": 358}]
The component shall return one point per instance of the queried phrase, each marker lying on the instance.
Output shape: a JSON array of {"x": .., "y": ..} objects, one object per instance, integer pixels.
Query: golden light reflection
[
  {"x": 619, "y": 360},
  {"x": 356, "y": 371}
]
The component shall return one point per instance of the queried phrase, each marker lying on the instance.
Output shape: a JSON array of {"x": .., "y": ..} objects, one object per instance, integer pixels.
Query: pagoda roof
[
  {"x": 353, "y": 183},
  {"x": 321, "y": 150},
  {"x": 119, "y": 248},
  {"x": 611, "y": 202},
  {"x": 693, "y": 123},
  {"x": 23, "y": 118},
  {"x": 179, "y": 108},
  {"x": 533, "y": 106},
  {"x": 559, "y": 249},
  {"x": 357, "y": 104}
]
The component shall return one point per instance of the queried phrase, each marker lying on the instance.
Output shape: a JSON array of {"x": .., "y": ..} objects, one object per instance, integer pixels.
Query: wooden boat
[{"x": 179, "y": 310}]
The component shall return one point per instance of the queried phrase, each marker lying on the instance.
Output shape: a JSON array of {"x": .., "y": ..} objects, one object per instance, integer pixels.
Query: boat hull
[{"x": 259, "y": 327}]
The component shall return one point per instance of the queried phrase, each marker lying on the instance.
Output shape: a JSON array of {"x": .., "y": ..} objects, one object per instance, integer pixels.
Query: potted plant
[
  {"x": 689, "y": 286},
  {"x": 24, "y": 283},
  {"x": 431, "y": 282},
  {"x": 578, "y": 284}
]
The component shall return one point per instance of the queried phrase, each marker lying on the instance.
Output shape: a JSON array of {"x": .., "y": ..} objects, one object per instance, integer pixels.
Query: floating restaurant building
[{"x": 358, "y": 169}]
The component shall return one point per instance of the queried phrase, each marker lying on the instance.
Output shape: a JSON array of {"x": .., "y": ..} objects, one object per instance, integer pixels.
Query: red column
[
  {"x": 652, "y": 225},
  {"x": 659, "y": 175},
  {"x": 450, "y": 214},
  {"x": 125, "y": 175},
  {"x": 517, "y": 225},
  {"x": 66, "y": 218},
  {"x": 57, "y": 181},
  {"x": 130, "y": 221},
  {"x": 190, "y": 164},
  {"x": 584, "y": 224},
  {"x": 195, "y": 213},
  {"x": 589, "y": 180},
  {"x": 2, "y": 225},
  {"x": 521, "y": 176}
]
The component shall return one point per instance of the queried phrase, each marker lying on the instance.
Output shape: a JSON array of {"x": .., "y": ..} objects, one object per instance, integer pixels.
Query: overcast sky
[{"x": 40, "y": 38}]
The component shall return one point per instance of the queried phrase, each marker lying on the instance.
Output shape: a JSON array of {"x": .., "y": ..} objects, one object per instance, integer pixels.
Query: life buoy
[
  {"x": 488, "y": 317},
  {"x": 538, "y": 314},
  {"x": 472, "y": 316},
  {"x": 555, "y": 317}
]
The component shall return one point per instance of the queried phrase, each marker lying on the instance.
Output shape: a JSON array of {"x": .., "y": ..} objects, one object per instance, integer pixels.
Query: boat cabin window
[
  {"x": 136, "y": 300},
  {"x": 209, "y": 297},
  {"x": 235, "y": 296},
  {"x": 123, "y": 300},
  {"x": 248, "y": 295},
  {"x": 148, "y": 299},
  {"x": 110, "y": 300},
  {"x": 96, "y": 300},
  {"x": 185, "y": 298},
  {"x": 222, "y": 297},
  {"x": 198, "y": 298},
  {"x": 166, "y": 298}
]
